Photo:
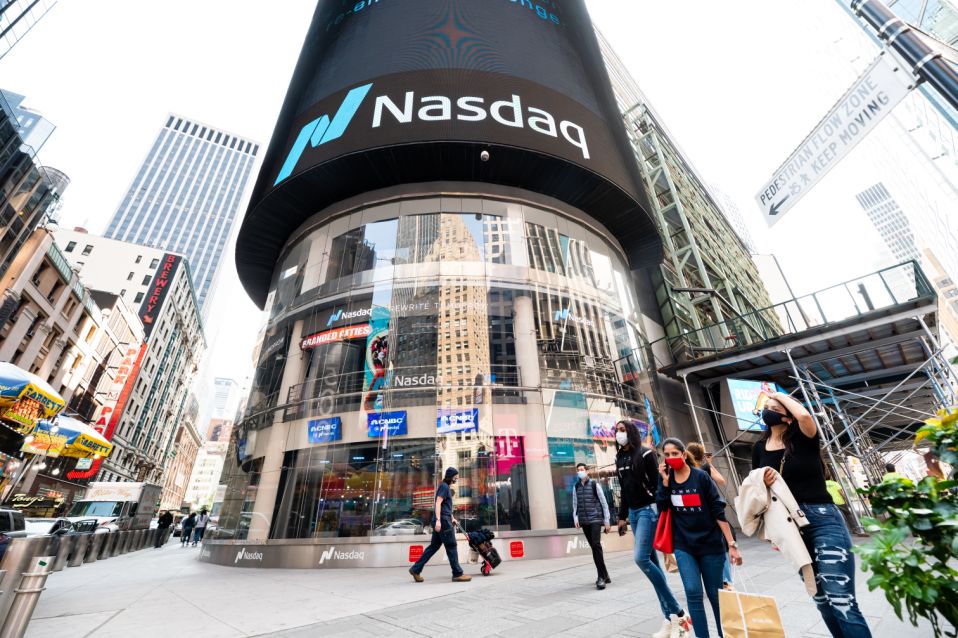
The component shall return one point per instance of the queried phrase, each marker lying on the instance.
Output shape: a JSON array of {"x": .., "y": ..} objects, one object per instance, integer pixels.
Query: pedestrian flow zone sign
[{"x": 880, "y": 88}]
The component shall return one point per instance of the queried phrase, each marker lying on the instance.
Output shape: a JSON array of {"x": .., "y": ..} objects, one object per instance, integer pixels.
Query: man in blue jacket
[{"x": 590, "y": 512}]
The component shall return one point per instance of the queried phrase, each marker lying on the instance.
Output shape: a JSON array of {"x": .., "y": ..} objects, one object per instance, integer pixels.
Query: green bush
[{"x": 910, "y": 551}]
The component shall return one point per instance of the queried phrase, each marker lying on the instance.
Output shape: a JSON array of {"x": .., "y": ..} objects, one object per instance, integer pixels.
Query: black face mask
[{"x": 771, "y": 417}]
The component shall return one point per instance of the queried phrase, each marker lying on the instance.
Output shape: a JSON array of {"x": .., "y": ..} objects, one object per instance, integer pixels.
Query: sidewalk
[{"x": 156, "y": 592}]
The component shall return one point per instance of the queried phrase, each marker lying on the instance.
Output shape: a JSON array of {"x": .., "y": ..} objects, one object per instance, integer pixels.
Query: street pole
[{"x": 927, "y": 63}]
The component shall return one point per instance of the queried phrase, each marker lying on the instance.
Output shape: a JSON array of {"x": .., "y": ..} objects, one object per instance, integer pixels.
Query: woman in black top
[
  {"x": 700, "y": 533},
  {"x": 792, "y": 446}
]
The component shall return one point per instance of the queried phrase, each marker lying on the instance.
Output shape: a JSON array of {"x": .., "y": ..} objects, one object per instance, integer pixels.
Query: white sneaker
[
  {"x": 665, "y": 631},
  {"x": 680, "y": 627}
]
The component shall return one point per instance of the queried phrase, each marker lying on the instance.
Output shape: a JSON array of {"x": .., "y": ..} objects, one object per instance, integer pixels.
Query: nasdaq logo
[
  {"x": 562, "y": 315},
  {"x": 322, "y": 130},
  {"x": 333, "y": 318}
]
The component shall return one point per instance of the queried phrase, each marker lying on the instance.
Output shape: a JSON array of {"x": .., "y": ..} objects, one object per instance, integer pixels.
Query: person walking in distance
[
  {"x": 443, "y": 532},
  {"x": 590, "y": 512},
  {"x": 163, "y": 525},
  {"x": 638, "y": 469},
  {"x": 792, "y": 445},
  {"x": 700, "y": 533},
  {"x": 201, "y": 522},
  {"x": 186, "y": 529}
]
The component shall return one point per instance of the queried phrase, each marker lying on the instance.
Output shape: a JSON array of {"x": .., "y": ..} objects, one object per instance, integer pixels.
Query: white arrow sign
[{"x": 873, "y": 95}]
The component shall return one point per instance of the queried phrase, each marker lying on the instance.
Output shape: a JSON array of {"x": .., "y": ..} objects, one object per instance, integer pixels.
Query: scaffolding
[
  {"x": 863, "y": 356},
  {"x": 707, "y": 276}
]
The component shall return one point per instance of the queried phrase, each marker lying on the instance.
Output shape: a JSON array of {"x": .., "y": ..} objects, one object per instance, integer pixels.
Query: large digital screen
[
  {"x": 748, "y": 400},
  {"x": 388, "y": 92}
]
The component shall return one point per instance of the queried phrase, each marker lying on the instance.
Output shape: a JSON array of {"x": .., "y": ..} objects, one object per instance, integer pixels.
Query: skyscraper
[
  {"x": 186, "y": 194},
  {"x": 890, "y": 221},
  {"x": 17, "y": 17}
]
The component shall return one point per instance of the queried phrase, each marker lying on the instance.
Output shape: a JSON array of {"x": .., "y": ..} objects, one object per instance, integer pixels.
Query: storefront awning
[
  {"x": 25, "y": 398},
  {"x": 66, "y": 436}
]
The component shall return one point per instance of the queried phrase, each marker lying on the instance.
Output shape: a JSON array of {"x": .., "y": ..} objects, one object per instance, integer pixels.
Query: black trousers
[
  {"x": 593, "y": 534},
  {"x": 161, "y": 536}
]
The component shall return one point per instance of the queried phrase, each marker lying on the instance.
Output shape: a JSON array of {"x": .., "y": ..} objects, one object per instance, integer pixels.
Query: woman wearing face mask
[
  {"x": 637, "y": 468},
  {"x": 700, "y": 532},
  {"x": 792, "y": 446}
]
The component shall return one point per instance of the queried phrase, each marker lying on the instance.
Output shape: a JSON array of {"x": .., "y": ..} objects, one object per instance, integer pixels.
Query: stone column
[
  {"x": 542, "y": 507},
  {"x": 267, "y": 491}
]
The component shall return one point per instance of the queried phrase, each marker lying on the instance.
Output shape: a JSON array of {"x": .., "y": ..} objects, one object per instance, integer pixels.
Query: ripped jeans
[{"x": 830, "y": 547}]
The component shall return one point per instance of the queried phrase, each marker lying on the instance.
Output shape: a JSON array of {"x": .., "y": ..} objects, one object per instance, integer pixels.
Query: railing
[{"x": 882, "y": 289}]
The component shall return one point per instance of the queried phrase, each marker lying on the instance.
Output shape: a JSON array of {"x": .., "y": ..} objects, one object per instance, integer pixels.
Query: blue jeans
[
  {"x": 447, "y": 538},
  {"x": 198, "y": 534},
  {"x": 830, "y": 547},
  {"x": 696, "y": 572},
  {"x": 643, "y": 521}
]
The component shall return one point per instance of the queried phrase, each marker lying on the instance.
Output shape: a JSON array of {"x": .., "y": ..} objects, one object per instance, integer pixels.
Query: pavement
[{"x": 167, "y": 591}]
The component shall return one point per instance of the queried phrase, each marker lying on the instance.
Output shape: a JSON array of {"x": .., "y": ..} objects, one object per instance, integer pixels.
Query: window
[
  {"x": 87, "y": 249},
  {"x": 146, "y": 280},
  {"x": 123, "y": 292},
  {"x": 154, "y": 263},
  {"x": 138, "y": 298},
  {"x": 70, "y": 247},
  {"x": 130, "y": 276},
  {"x": 139, "y": 258}
]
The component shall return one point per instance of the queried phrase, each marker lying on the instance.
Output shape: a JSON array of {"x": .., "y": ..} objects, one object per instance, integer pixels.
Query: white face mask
[
  {"x": 582, "y": 475},
  {"x": 622, "y": 438}
]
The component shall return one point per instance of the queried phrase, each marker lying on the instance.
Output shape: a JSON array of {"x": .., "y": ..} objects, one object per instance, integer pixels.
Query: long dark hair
[
  {"x": 790, "y": 429},
  {"x": 635, "y": 440}
]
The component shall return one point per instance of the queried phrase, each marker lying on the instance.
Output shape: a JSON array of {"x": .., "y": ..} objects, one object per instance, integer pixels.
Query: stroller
[{"x": 480, "y": 544}]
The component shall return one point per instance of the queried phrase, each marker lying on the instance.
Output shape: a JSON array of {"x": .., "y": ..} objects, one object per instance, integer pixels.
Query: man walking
[
  {"x": 201, "y": 522},
  {"x": 590, "y": 512},
  {"x": 166, "y": 519},
  {"x": 443, "y": 532}
]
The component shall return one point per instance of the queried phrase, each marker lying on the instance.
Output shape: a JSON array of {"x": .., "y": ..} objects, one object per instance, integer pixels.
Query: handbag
[
  {"x": 663, "y": 533},
  {"x": 749, "y": 615},
  {"x": 671, "y": 565}
]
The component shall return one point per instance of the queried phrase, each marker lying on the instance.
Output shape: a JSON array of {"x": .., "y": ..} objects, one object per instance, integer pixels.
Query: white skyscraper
[
  {"x": 186, "y": 194},
  {"x": 890, "y": 222}
]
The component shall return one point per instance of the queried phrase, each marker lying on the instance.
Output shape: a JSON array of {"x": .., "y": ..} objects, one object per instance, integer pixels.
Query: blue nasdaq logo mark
[
  {"x": 322, "y": 130},
  {"x": 392, "y": 422},
  {"x": 333, "y": 318},
  {"x": 325, "y": 430},
  {"x": 562, "y": 315}
]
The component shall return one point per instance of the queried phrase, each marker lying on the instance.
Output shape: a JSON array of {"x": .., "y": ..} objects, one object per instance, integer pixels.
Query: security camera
[{"x": 484, "y": 156}]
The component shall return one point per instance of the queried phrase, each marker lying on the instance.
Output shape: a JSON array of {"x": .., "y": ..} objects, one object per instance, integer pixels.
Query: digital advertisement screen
[
  {"x": 748, "y": 400},
  {"x": 458, "y": 420},
  {"x": 382, "y": 423},
  {"x": 325, "y": 430}
]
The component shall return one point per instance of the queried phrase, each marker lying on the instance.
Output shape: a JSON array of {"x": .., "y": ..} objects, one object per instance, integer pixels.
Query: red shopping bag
[{"x": 663, "y": 533}]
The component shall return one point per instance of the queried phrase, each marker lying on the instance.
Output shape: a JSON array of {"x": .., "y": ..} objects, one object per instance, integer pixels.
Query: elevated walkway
[{"x": 863, "y": 355}]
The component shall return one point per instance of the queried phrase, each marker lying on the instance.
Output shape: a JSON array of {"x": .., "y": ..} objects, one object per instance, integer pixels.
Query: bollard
[
  {"x": 105, "y": 546},
  {"x": 140, "y": 538},
  {"x": 63, "y": 553},
  {"x": 122, "y": 542},
  {"x": 115, "y": 546},
  {"x": 79, "y": 550},
  {"x": 93, "y": 548},
  {"x": 16, "y": 560},
  {"x": 26, "y": 597}
]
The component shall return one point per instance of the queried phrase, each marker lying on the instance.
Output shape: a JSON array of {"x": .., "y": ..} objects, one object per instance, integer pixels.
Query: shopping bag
[
  {"x": 663, "y": 533},
  {"x": 749, "y": 615},
  {"x": 671, "y": 565}
]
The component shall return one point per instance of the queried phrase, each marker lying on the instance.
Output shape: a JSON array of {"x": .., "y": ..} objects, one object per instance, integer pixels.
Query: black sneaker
[{"x": 600, "y": 583}]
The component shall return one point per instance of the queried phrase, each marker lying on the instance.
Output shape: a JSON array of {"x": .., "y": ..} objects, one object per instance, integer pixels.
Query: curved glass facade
[{"x": 491, "y": 335}]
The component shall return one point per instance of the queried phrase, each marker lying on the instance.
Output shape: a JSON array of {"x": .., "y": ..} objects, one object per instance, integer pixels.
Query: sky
[{"x": 738, "y": 84}]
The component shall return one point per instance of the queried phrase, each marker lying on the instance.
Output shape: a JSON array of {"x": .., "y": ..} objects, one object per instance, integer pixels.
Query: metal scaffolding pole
[
  {"x": 837, "y": 468},
  {"x": 725, "y": 445},
  {"x": 950, "y": 371},
  {"x": 695, "y": 418}
]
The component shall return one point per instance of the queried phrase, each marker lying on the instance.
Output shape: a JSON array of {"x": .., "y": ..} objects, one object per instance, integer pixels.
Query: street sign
[{"x": 873, "y": 96}]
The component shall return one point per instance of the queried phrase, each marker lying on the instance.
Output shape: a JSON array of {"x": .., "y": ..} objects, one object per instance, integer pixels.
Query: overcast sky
[{"x": 739, "y": 84}]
